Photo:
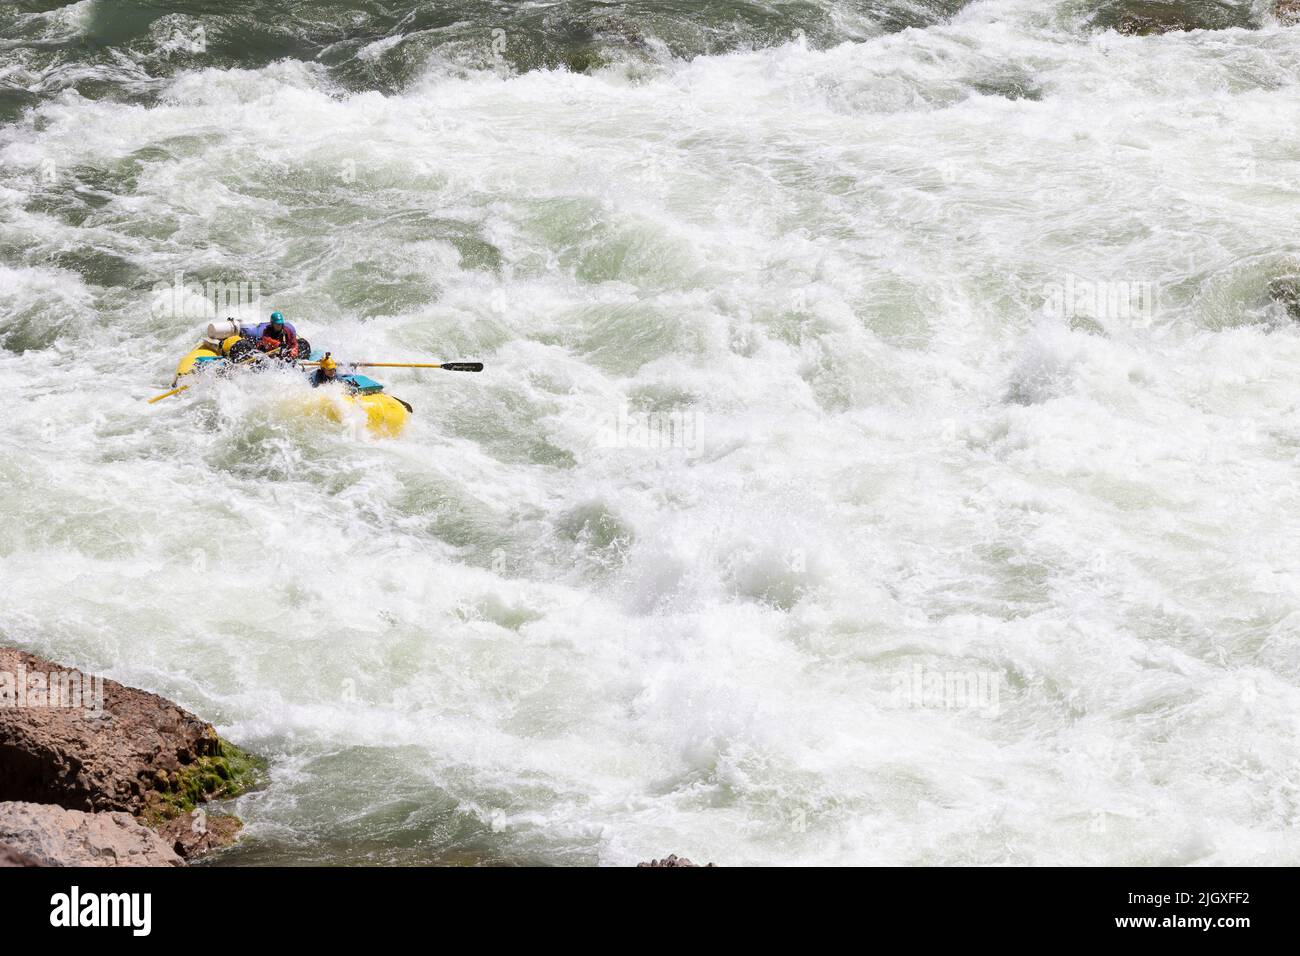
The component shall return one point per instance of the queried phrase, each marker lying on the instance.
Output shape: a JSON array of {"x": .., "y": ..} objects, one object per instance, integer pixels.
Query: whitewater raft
[{"x": 385, "y": 415}]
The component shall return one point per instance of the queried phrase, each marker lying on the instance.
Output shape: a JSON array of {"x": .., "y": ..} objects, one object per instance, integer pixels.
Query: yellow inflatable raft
[{"x": 384, "y": 415}]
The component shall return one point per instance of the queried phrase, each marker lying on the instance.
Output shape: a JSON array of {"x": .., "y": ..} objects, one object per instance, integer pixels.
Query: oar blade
[{"x": 463, "y": 366}]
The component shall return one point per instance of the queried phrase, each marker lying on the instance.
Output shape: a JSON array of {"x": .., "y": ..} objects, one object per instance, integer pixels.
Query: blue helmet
[{"x": 277, "y": 318}]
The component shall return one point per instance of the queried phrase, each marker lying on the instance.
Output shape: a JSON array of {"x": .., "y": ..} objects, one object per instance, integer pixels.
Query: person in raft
[
  {"x": 278, "y": 338},
  {"x": 326, "y": 372}
]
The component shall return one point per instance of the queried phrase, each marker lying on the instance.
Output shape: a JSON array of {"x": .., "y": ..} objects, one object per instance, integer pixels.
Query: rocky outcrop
[
  {"x": 53, "y": 836},
  {"x": 1288, "y": 11},
  {"x": 115, "y": 748},
  {"x": 88, "y": 744},
  {"x": 1147, "y": 17},
  {"x": 672, "y": 859}
]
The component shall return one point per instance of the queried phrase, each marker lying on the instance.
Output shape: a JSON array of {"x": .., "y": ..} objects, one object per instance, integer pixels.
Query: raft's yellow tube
[
  {"x": 192, "y": 358},
  {"x": 385, "y": 415}
]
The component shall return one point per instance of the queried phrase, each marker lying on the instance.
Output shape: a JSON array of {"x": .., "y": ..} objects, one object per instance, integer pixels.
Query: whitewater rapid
[{"x": 521, "y": 634}]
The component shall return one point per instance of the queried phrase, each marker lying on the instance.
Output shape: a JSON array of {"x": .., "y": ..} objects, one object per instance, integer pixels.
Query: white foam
[{"x": 836, "y": 261}]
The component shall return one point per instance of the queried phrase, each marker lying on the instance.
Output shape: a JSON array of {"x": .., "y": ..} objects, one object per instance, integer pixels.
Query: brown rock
[
  {"x": 11, "y": 857},
  {"x": 86, "y": 758},
  {"x": 53, "y": 836},
  {"x": 193, "y": 834},
  {"x": 672, "y": 859},
  {"x": 1288, "y": 11}
]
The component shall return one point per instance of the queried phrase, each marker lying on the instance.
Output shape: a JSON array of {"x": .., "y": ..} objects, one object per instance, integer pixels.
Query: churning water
[{"x": 886, "y": 453}]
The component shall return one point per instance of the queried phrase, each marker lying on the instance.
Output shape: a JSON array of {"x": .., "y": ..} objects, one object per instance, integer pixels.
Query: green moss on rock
[{"x": 227, "y": 773}]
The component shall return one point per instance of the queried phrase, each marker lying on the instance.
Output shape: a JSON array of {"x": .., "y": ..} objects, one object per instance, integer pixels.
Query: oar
[
  {"x": 176, "y": 391},
  {"x": 449, "y": 366}
]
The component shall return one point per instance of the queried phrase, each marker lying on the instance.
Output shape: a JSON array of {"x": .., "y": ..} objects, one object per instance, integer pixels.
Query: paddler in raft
[
  {"x": 278, "y": 339},
  {"x": 326, "y": 373}
]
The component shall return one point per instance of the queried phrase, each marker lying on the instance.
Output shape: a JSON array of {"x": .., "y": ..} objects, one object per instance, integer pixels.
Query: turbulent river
[{"x": 886, "y": 451}]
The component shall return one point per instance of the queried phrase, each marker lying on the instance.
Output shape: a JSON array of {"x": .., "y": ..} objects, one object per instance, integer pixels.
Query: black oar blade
[{"x": 463, "y": 366}]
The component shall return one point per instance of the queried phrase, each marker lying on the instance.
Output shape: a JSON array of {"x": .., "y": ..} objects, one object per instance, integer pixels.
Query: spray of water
[{"x": 886, "y": 451}]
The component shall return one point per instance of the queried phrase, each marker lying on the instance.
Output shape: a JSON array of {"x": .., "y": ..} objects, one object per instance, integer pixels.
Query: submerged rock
[
  {"x": 1288, "y": 11},
  {"x": 672, "y": 859},
  {"x": 1285, "y": 290},
  {"x": 1148, "y": 17},
  {"x": 49, "y": 835},
  {"x": 194, "y": 834}
]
